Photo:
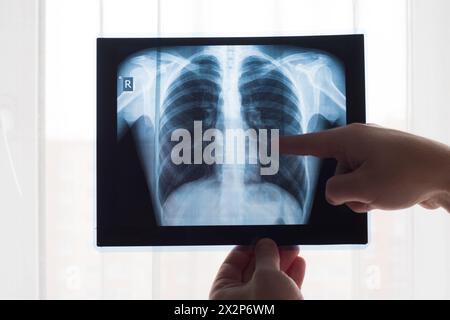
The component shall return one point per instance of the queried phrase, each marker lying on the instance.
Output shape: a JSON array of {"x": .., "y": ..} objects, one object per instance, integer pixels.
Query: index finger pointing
[{"x": 324, "y": 144}]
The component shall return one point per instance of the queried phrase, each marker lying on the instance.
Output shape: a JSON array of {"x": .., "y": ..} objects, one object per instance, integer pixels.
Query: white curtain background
[{"x": 47, "y": 145}]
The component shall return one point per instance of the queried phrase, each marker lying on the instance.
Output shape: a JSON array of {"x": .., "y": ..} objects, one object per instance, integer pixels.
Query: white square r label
[{"x": 128, "y": 84}]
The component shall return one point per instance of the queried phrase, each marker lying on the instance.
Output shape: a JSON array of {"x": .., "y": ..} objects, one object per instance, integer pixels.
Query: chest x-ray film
[{"x": 188, "y": 135}]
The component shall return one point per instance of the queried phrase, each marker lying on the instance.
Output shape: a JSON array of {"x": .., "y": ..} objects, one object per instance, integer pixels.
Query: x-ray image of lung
[{"x": 228, "y": 88}]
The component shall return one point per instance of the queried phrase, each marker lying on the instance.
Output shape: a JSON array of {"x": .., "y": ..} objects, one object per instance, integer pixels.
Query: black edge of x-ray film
[{"x": 125, "y": 209}]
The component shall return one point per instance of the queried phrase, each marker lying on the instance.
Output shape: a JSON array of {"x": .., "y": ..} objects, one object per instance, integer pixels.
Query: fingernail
[{"x": 265, "y": 242}]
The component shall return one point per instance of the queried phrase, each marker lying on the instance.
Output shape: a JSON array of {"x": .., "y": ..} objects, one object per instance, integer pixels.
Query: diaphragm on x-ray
[{"x": 204, "y": 121}]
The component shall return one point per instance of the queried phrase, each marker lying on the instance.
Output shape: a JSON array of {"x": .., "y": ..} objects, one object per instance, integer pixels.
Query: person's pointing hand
[{"x": 379, "y": 168}]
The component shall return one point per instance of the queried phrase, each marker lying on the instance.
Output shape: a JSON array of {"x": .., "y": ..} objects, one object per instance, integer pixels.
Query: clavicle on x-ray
[{"x": 228, "y": 101}]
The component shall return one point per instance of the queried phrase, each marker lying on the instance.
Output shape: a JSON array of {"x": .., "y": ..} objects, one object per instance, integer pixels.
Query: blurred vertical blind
[{"x": 408, "y": 253}]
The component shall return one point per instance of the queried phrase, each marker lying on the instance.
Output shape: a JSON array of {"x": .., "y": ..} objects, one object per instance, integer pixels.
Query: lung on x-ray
[{"x": 204, "y": 120}]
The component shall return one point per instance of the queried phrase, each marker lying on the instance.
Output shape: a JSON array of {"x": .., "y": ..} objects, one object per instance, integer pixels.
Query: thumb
[
  {"x": 349, "y": 187},
  {"x": 267, "y": 255}
]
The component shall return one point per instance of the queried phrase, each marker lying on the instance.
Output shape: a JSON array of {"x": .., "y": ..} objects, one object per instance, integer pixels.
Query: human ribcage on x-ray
[
  {"x": 193, "y": 96},
  {"x": 269, "y": 101},
  {"x": 228, "y": 87}
]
